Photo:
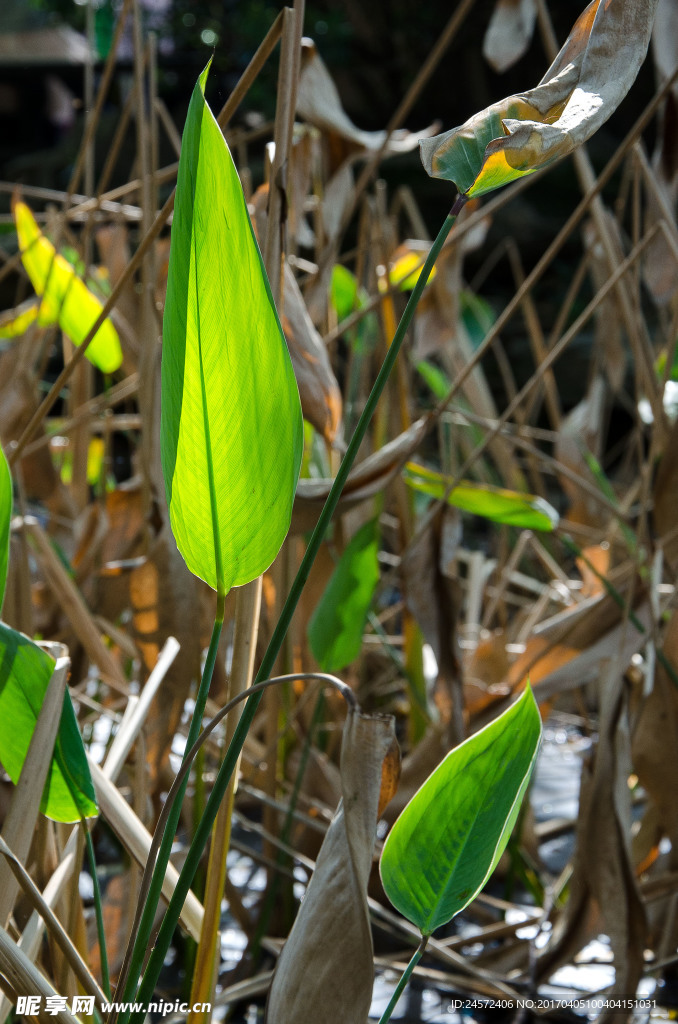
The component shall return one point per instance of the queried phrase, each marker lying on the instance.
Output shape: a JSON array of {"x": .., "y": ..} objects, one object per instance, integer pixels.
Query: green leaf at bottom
[{"x": 450, "y": 836}]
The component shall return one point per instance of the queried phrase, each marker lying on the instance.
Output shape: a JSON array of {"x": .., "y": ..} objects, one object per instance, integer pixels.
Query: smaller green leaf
[
  {"x": 25, "y": 672},
  {"x": 5, "y": 520},
  {"x": 343, "y": 291},
  {"x": 437, "y": 379},
  {"x": 526, "y": 511},
  {"x": 477, "y": 316},
  {"x": 335, "y": 631},
  {"x": 448, "y": 840}
]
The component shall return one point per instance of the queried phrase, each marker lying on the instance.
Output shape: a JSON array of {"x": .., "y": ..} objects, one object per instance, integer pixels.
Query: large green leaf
[
  {"x": 527, "y": 511},
  {"x": 5, "y": 520},
  {"x": 335, "y": 631},
  {"x": 25, "y": 672},
  {"x": 450, "y": 836},
  {"x": 231, "y": 429},
  {"x": 66, "y": 299}
]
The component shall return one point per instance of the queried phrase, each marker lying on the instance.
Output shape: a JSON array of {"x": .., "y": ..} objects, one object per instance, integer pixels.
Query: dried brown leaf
[
  {"x": 318, "y": 389},
  {"x": 509, "y": 33},
  {"x": 434, "y": 599},
  {"x": 525, "y": 132},
  {"x": 365, "y": 480},
  {"x": 327, "y": 960},
  {"x": 604, "y": 895},
  {"x": 318, "y": 102}
]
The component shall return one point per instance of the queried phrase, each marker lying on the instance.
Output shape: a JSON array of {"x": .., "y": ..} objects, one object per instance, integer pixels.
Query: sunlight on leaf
[
  {"x": 335, "y": 632},
  {"x": 448, "y": 840},
  {"x": 231, "y": 428},
  {"x": 525, "y": 132},
  {"x": 16, "y": 322},
  {"x": 526, "y": 511},
  {"x": 25, "y": 672},
  {"x": 66, "y": 299}
]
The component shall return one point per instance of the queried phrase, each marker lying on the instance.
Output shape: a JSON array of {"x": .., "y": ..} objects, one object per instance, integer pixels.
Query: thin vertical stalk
[
  {"x": 416, "y": 957},
  {"x": 143, "y": 926},
  {"x": 98, "y": 912},
  {"x": 248, "y": 604},
  {"x": 201, "y": 837}
]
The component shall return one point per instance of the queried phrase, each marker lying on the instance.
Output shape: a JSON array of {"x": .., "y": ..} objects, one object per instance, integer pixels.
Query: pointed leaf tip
[
  {"x": 231, "y": 427},
  {"x": 448, "y": 840}
]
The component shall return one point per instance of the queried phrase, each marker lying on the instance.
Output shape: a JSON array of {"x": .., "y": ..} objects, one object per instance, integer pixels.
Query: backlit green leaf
[
  {"x": 526, "y": 511},
  {"x": 25, "y": 672},
  {"x": 5, "y": 520},
  {"x": 66, "y": 299},
  {"x": 335, "y": 631},
  {"x": 231, "y": 429},
  {"x": 450, "y": 836},
  {"x": 16, "y": 322}
]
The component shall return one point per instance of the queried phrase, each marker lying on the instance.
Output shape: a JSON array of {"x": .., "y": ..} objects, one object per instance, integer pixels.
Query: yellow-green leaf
[
  {"x": 65, "y": 298},
  {"x": 512, "y": 508}
]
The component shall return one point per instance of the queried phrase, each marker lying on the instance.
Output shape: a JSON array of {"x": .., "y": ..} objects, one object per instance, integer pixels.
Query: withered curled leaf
[
  {"x": 527, "y": 131},
  {"x": 327, "y": 959}
]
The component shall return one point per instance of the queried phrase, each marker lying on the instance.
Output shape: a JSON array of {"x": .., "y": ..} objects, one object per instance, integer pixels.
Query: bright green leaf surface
[
  {"x": 526, "y": 511},
  {"x": 343, "y": 291},
  {"x": 5, "y": 520},
  {"x": 231, "y": 429},
  {"x": 16, "y": 322},
  {"x": 450, "y": 836},
  {"x": 25, "y": 672},
  {"x": 437, "y": 379},
  {"x": 335, "y": 631},
  {"x": 66, "y": 299}
]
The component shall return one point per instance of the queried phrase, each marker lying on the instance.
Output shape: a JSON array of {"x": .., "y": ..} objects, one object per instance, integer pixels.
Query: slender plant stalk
[
  {"x": 247, "y": 606},
  {"x": 98, "y": 912},
  {"x": 416, "y": 957},
  {"x": 143, "y": 924},
  {"x": 201, "y": 836}
]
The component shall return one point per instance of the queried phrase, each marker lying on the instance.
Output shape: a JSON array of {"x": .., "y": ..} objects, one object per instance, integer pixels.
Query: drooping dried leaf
[
  {"x": 435, "y": 600},
  {"x": 581, "y": 432},
  {"x": 655, "y": 740},
  {"x": 327, "y": 959},
  {"x": 604, "y": 893},
  {"x": 365, "y": 480},
  {"x": 318, "y": 389},
  {"x": 318, "y": 102},
  {"x": 527, "y": 131},
  {"x": 509, "y": 33}
]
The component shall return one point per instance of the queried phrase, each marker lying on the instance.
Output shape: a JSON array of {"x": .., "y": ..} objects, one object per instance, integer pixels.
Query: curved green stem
[
  {"x": 202, "y": 834},
  {"x": 416, "y": 957}
]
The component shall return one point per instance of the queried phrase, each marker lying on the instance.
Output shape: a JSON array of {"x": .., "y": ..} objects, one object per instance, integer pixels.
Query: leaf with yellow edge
[
  {"x": 16, "y": 322},
  {"x": 512, "y": 508},
  {"x": 405, "y": 269},
  {"x": 525, "y": 132},
  {"x": 65, "y": 298}
]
